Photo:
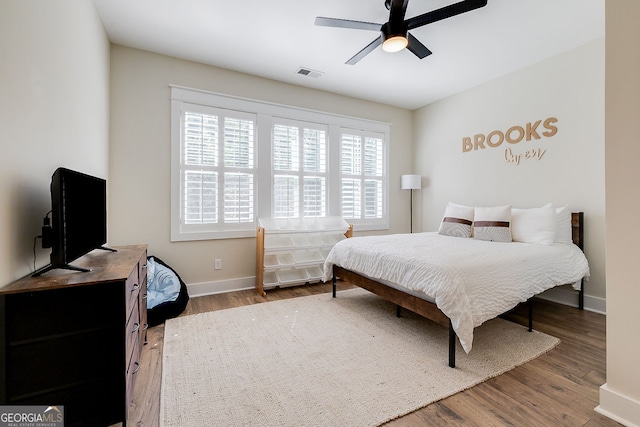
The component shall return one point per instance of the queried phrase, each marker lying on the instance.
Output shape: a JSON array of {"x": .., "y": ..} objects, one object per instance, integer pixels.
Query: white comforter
[{"x": 471, "y": 281}]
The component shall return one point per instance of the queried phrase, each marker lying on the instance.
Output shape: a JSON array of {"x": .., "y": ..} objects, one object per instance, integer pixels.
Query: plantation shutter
[
  {"x": 218, "y": 169},
  {"x": 362, "y": 175},
  {"x": 351, "y": 163},
  {"x": 299, "y": 170},
  {"x": 373, "y": 174},
  {"x": 201, "y": 161}
]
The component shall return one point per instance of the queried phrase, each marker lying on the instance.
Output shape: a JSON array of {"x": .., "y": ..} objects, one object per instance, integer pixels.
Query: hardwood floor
[{"x": 559, "y": 388}]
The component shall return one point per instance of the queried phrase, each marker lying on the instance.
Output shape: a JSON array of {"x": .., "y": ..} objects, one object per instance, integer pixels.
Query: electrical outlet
[{"x": 218, "y": 264}]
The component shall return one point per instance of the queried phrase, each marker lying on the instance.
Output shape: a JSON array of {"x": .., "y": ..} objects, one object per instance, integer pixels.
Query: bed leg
[
  {"x": 530, "y": 304},
  {"x": 581, "y": 295},
  {"x": 398, "y": 310},
  {"x": 452, "y": 346},
  {"x": 333, "y": 282}
]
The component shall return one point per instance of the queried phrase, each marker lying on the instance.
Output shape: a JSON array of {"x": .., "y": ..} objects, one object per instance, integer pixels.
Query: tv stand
[
  {"x": 75, "y": 339},
  {"x": 50, "y": 267}
]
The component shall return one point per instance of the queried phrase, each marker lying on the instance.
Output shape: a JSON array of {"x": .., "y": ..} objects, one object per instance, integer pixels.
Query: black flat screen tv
[{"x": 78, "y": 218}]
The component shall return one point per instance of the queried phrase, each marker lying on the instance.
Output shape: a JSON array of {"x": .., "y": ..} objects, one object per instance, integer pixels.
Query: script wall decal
[{"x": 513, "y": 136}]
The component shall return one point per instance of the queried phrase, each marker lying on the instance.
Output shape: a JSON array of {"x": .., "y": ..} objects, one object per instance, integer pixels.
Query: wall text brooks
[{"x": 514, "y": 135}]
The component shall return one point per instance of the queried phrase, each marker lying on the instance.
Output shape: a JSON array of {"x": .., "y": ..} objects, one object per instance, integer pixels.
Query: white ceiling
[{"x": 274, "y": 38}]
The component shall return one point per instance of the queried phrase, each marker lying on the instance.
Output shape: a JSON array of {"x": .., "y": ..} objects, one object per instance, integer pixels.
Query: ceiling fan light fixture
[
  {"x": 394, "y": 43},
  {"x": 394, "y": 34}
]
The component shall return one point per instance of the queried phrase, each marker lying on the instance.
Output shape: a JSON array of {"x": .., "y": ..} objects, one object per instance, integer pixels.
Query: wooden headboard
[
  {"x": 577, "y": 229},
  {"x": 577, "y": 235}
]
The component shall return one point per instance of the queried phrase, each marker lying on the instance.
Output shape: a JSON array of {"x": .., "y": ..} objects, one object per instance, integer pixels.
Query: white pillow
[
  {"x": 564, "y": 231},
  {"x": 535, "y": 225},
  {"x": 492, "y": 223},
  {"x": 457, "y": 220}
]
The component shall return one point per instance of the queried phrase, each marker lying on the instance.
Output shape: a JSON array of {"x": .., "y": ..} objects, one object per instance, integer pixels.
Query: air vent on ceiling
[{"x": 309, "y": 72}]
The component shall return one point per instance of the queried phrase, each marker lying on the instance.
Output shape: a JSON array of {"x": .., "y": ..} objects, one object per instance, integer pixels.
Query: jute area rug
[{"x": 320, "y": 361}]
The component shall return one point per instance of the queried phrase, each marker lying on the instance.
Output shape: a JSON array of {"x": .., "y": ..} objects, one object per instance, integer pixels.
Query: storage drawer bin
[
  {"x": 316, "y": 240},
  {"x": 293, "y": 275},
  {"x": 286, "y": 259},
  {"x": 307, "y": 257},
  {"x": 299, "y": 241},
  {"x": 277, "y": 242},
  {"x": 291, "y": 225},
  {"x": 270, "y": 280},
  {"x": 271, "y": 261},
  {"x": 314, "y": 274},
  {"x": 332, "y": 239}
]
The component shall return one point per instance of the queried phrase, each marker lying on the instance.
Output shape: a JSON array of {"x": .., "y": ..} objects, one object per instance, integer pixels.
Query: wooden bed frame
[{"x": 430, "y": 310}]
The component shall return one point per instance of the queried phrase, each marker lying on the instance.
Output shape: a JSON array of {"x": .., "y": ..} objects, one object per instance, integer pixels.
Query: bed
[{"x": 456, "y": 282}]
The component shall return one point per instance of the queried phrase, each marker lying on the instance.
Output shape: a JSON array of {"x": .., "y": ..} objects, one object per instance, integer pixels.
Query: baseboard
[
  {"x": 560, "y": 295},
  {"x": 220, "y": 286},
  {"x": 618, "y": 407},
  {"x": 568, "y": 296}
]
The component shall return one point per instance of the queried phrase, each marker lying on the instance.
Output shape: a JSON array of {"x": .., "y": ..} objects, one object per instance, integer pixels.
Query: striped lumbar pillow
[
  {"x": 492, "y": 223},
  {"x": 457, "y": 220}
]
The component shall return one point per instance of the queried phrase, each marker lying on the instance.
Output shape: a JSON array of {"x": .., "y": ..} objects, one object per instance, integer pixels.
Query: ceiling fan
[{"x": 394, "y": 34}]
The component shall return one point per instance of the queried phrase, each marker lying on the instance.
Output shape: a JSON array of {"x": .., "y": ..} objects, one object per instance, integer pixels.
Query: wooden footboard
[
  {"x": 404, "y": 300},
  {"x": 401, "y": 299}
]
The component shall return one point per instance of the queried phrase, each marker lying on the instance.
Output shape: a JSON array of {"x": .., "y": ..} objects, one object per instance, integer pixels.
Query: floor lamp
[{"x": 411, "y": 182}]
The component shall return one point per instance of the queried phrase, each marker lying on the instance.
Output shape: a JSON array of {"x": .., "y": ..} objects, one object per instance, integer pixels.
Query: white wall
[
  {"x": 620, "y": 396},
  {"x": 139, "y": 203},
  {"x": 54, "y": 111},
  {"x": 569, "y": 87}
]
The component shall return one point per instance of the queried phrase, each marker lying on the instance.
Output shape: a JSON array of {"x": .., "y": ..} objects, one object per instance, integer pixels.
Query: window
[
  {"x": 299, "y": 170},
  {"x": 235, "y": 160},
  {"x": 217, "y": 170},
  {"x": 362, "y": 176},
  {"x": 203, "y": 174}
]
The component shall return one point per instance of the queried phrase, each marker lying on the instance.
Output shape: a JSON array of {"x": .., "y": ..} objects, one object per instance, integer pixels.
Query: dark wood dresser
[{"x": 74, "y": 339}]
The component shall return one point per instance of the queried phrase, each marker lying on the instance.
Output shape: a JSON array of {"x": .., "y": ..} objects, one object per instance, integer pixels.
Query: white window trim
[{"x": 265, "y": 113}]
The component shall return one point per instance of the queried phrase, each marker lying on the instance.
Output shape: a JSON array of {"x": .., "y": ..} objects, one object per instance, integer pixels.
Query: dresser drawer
[
  {"x": 132, "y": 290},
  {"x": 142, "y": 298},
  {"x": 132, "y": 332},
  {"x": 132, "y": 369},
  {"x": 142, "y": 308},
  {"x": 142, "y": 267}
]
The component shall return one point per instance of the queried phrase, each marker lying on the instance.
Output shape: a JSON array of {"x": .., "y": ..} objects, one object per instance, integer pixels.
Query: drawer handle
[
  {"x": 144, "y": 266},
  {"x": 144, "y": 296},
  {"x": 137, "y": 368},
  {"x": 136, "y": 326},
  {"x": 145, "y": 327},
  {"x": 135, "y": 287}
]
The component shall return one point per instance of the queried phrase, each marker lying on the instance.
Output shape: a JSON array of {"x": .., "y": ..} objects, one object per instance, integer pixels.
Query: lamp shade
[{"x": 411, "y": 182}]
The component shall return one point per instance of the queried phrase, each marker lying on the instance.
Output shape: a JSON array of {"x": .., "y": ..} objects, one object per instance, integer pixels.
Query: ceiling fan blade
[
  {"x": 444, "y": 13},
  {"x": 364, "y": 52},
  {"x": 346, "y": 23},
  {"x": 417, "y": 48}
]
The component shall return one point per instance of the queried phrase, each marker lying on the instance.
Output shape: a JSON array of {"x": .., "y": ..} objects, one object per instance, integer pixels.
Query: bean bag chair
[{"x": 167, "y": 295}]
